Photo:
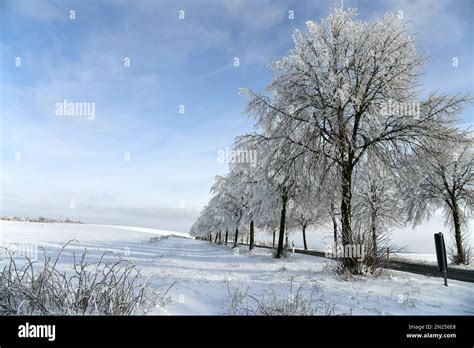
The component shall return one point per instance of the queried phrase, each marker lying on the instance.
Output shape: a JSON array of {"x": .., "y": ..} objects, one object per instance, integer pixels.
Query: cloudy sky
[{"x": 141, "y": 160}]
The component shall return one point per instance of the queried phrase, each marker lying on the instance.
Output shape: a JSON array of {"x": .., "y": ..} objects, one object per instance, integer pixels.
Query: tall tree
[
  {"x": 444, "y": 180},
  {"x": 377, "y": 207}
]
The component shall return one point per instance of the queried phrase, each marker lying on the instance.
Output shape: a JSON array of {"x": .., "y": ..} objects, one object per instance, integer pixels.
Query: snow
[
  {"x": 415, "y": 257},
  {"x": 201, "y": 272}
]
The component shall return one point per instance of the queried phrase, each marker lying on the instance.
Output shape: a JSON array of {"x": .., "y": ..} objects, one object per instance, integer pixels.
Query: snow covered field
[{"x": 203, "y": 273}]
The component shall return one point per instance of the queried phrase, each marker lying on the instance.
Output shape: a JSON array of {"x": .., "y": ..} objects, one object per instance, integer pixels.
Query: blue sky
[{"x": 74, "y": 167}]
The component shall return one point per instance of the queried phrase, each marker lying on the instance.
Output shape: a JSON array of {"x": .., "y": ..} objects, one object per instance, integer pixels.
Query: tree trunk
[
  {"x": 236, "y": 240},
  {"x": 251, "y": 236},
  {"x": 461, "y": 257},
  {"x": 220, "y": 237},
  {"x": 215, "y": 239},
  {"x": 304, "y": 238},
  {"x": 346, "y": 206},
  {"x": 286, "y": 240},
  {"x": 282, "y": 228},
  {"x": 334, "y": 225},
  {"x": 226, "y": 236},
  {"x": 350, "y": 263},
  {"x": 274, "y": 233},
  {"x": 210, "y": 237},
  {"x": 374, "y": 233}
]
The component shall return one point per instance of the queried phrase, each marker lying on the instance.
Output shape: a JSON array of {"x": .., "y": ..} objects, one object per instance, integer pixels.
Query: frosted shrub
[
  {"x": 296, "y": 302},
  {"x": 106, "y": 287}
]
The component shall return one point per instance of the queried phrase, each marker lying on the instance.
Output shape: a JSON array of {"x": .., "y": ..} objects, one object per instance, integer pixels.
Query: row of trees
[{"x": 344, "y": 138}]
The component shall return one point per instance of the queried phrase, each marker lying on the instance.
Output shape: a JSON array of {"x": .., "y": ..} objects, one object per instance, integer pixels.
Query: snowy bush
[
  {"x": 158, "y": 239},
  {"x": 110, "y": 286},
  {"x": 454, "y": 255},
  {"x": 299, "y": 302},
  {"x": 459, "y": 253}
]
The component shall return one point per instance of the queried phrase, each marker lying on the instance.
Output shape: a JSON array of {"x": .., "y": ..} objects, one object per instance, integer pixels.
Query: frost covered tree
[
  {"x": 211, "y": 222},
  {"x": 377, "y": 208},
  {"x": 275, "y": 179},
  {"x": 302, "y": 217},
  {"x": 248, "y": 181},
  {"x": 232, "y": 198},
  {"x": 309, "y": 205},
  {"x": 444, "y": 180},
  {"x": 282, "y": 174},
  {"x": 269, "y": 213},
  {"x": 347, "y": 87}
]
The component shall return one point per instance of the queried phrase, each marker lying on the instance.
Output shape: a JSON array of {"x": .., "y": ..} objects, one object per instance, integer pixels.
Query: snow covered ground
[
  {"x": 415, "y": 257},
  {"x": 202, "y": 273}
]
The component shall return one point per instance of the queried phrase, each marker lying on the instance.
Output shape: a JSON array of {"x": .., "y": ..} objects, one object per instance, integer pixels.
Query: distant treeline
[{"x": 39, "y": 219}]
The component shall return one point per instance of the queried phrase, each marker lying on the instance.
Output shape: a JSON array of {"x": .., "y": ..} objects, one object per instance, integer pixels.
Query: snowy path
[{"x": 202, "y": 271}]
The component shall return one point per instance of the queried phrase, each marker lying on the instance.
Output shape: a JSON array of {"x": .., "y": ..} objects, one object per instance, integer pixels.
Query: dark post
[
  {"x": 252, "y": 236},
  {"x": 441, "y": 256}
]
